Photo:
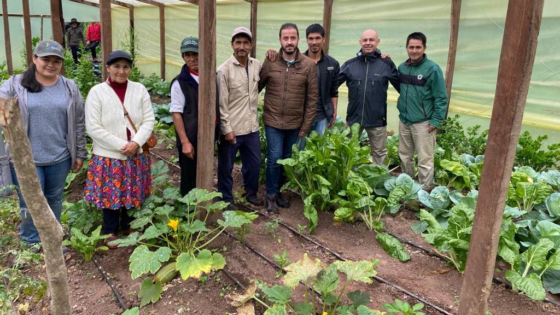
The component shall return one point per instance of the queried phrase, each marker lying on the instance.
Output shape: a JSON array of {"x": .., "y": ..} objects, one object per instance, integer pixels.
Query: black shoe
[
  {"x": 271, "y": 204},
  {"x": 281, "y": 201},
  {"x": 231, "y": 207},
  {"x": 254, "y": 200}
]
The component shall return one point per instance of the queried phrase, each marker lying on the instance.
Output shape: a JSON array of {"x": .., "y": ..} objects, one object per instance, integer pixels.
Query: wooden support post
[
  {"x": 453, "y": 39},
  {"x": 28, "y": 36},
  {"x": 7, "y": 41},
  {"x": 57, "y": 21},
  {"x": 132, "y": 34},
  {"x": 254, "y": 6},
  {"x": 162, "y": 40},
  {"x": 327, "y": 18},
  {"x": 206, "y": 93},
  {"x": 106, "y": 32},
  {"x": 42, "y": 19},
  {"x": 519, "y": 45}
]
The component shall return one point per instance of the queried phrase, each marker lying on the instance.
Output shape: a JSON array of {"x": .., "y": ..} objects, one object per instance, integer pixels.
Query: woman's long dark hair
[{"x": 29, "y": 81}]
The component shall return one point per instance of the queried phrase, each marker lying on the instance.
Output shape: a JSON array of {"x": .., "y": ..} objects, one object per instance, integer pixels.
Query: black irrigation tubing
[
  {"x": 121, "y": 301},
  {"x": 335, "y": 254},
  {"x": 234, "y": 279},
  {"x": 165, "y": 160}
]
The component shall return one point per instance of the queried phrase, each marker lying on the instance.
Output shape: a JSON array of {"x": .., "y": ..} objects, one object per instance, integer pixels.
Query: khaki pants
[
  {"x": 416, "y": 136},
  {"x": 378, "y": 143}
]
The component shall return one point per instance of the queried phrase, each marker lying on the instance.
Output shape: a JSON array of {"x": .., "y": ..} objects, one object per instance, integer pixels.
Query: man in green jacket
[{"x": 422, "y": 108}]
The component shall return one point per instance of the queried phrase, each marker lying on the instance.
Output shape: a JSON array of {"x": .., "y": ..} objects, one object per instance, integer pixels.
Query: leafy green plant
[
  {"x": 283, "y": 261},
  {"x": 400, "y": 190},
  {"x": 156, "y": 85},
  {"x": 456, "y": 175},
  {"x": 162, "y": 113},
  {"x": 86, "y": 245},
  {"x": 15, "y": 286},
  {"x": 525, "y": 192},
  {"x": 84, "y": 76},
  {"x": 81, "y": 215},
  {"x": 393, "y": 150},
  {"x": 529, "y": 152},
  {"x": 403, "y": 308},
  {"x": 313, "y": 275},
  {"x": 529, "y": 268},
  {"x": 178, "y": 234}
]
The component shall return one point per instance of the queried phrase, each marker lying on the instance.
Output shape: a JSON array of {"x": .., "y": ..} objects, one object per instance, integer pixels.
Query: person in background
[
  {"x": 119, "y": 119},
  {"x": 290, "y": 105},
  {"x": 422, "y": 108},
  {"x": 238, "y": 97},
  {"x": 367, "y": 76},
  {"x": 52, "y": 109},
  {"x": 75, "y": 38},
  {"x": 93, "y": 38},
  {"x": 184, "y": 110}
]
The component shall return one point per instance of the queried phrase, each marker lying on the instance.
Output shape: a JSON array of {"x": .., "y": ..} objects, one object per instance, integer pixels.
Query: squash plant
[
  {"x": 176, "y": 234},
  {"x": 312, "y": 275}
]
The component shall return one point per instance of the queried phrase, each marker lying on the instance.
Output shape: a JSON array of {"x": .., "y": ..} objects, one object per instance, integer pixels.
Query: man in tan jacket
[
  {"x": 290, "y": 105},
  {"x": 238, "y": 96}
]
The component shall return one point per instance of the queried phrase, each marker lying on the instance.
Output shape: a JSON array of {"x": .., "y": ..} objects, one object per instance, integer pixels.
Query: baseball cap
[
  {"x": 49, "y": 48},
  {"x": 116, "y": 55},
  {"x": 189, "y": 44},
  {"x": 242, "y": 30}
]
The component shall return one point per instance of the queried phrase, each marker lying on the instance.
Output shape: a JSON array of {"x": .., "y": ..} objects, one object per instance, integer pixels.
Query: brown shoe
[
  {"x": 112, "y": 237},
  {"x": 128, "y": 232}
]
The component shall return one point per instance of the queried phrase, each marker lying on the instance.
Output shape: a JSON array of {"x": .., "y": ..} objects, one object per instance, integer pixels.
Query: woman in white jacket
[{"x": 118, "y": 176}]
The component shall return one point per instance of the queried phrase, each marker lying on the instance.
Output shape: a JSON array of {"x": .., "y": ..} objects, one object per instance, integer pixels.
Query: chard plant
[
  {"x": 312, "y": 275},
  {"x": 178, "y": 235},
  {"x": 454, "y": 174},
  {"x": 86, "y": 245}
]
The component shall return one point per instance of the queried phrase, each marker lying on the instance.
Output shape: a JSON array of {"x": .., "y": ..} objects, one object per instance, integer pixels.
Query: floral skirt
[{"x": 114, "y": 184}]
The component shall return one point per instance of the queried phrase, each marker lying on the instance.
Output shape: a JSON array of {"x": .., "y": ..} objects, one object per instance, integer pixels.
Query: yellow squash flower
[{"x": 173, "y": 224}]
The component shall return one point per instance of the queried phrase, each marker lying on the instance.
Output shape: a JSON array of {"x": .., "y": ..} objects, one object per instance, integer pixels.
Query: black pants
[
  {"x": 188, "y": 171},
  {"x": 75, "y": 52},
  {"x": 250, "y": 149},
  {"x": 113, "y": 218},
  {"x": 92, "y": 46}
]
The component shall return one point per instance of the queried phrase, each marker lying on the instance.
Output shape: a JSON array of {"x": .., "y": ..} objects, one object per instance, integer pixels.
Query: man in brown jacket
[{"x": 290, "y": 104}]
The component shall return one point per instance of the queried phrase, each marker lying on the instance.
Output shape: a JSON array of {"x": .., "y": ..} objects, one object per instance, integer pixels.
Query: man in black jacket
[{"x": 367, "y": 76}]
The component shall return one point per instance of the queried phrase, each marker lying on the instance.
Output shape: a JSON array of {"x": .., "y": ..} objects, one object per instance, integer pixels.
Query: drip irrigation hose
[
  {"x": 121, "y": 301},
  {"x": 232, "y": 278}
]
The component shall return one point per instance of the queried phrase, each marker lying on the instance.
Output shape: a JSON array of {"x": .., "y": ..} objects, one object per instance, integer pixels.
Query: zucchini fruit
[{"x": 166, "y": 274}]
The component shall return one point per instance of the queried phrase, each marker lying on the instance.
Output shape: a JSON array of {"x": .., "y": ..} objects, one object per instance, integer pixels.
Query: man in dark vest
[{"x": 184, "y": 109}]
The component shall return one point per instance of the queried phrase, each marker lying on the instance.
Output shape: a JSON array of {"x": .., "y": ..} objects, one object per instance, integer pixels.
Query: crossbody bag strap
[{"x": 126, "y": 114}]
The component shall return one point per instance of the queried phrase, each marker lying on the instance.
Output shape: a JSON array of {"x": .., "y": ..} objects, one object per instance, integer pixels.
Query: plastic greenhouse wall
[{"x": 478, "y": 52}]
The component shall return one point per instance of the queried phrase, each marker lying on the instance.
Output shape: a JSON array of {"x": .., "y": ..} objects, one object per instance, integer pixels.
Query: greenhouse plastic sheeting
[{"x": 478, "y": 52}]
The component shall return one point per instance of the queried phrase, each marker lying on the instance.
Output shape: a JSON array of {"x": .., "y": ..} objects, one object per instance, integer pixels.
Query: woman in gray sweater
[{"x": 53, "y": 115}]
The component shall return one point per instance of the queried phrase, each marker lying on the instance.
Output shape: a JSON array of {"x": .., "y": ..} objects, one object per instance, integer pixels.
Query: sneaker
[
  {"x": 271, "y": 204},
  {"x": 254, "y": 200},
  {"x": 281, "y": 201}
]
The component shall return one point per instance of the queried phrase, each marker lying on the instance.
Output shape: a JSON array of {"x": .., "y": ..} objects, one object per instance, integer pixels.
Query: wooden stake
[
  {"x": 106, "y": 32},
  {"x": 7, "y": 41},
  {"x": 254, "y": 6},
  {"x": 519, "y": 45},
  {"x": 28, "y": 36},
  {"x": 327, "y": 18},
  {"x": 206, "y": 93},
  {"x": 42, "y": 26},
  {"x": 162, "y": 40},
  {"x": 453, "y": 39},
  {"x": 50, "y": 231},
  {"x": 57, "y": 21}
]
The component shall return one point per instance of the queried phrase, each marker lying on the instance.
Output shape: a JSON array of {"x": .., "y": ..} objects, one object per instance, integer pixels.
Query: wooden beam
[
  {"x": 151, "y": 2},
  {"x": 206, "y": 93},
  {"x": 8, "y": 43},
  {"x": 106, "y": 32},
  {"x": 519, "y": 46},
  {"x": 327, "y": 18},
  {"x": 30, "y": 15},
  {"x": 92, "y": 4},
  {"x": 191, "y": 1},
  {"x": 162, "y": 40},
  {"x": 57, "y": 21},
  {"x": 27, "y": 29},
  {"x": 453, "y": 39},
  {"x": 254, "y": 5},
  {"x": 122, "y": 4}
]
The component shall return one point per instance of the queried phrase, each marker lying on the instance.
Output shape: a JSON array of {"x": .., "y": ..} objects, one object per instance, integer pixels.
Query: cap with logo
[
  {"x": 242, "y": 30},
  {"x": 116, "y": 55},
  {"x": 189, "y": 44},
  {"x": 49, "y": 48}
]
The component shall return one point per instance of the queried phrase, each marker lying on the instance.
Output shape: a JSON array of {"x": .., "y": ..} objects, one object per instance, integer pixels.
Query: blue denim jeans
[
  {"x": 320, "y": 127},
  {"x": 52, "y": 178},
  {"x": 279, "y": 144}
]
